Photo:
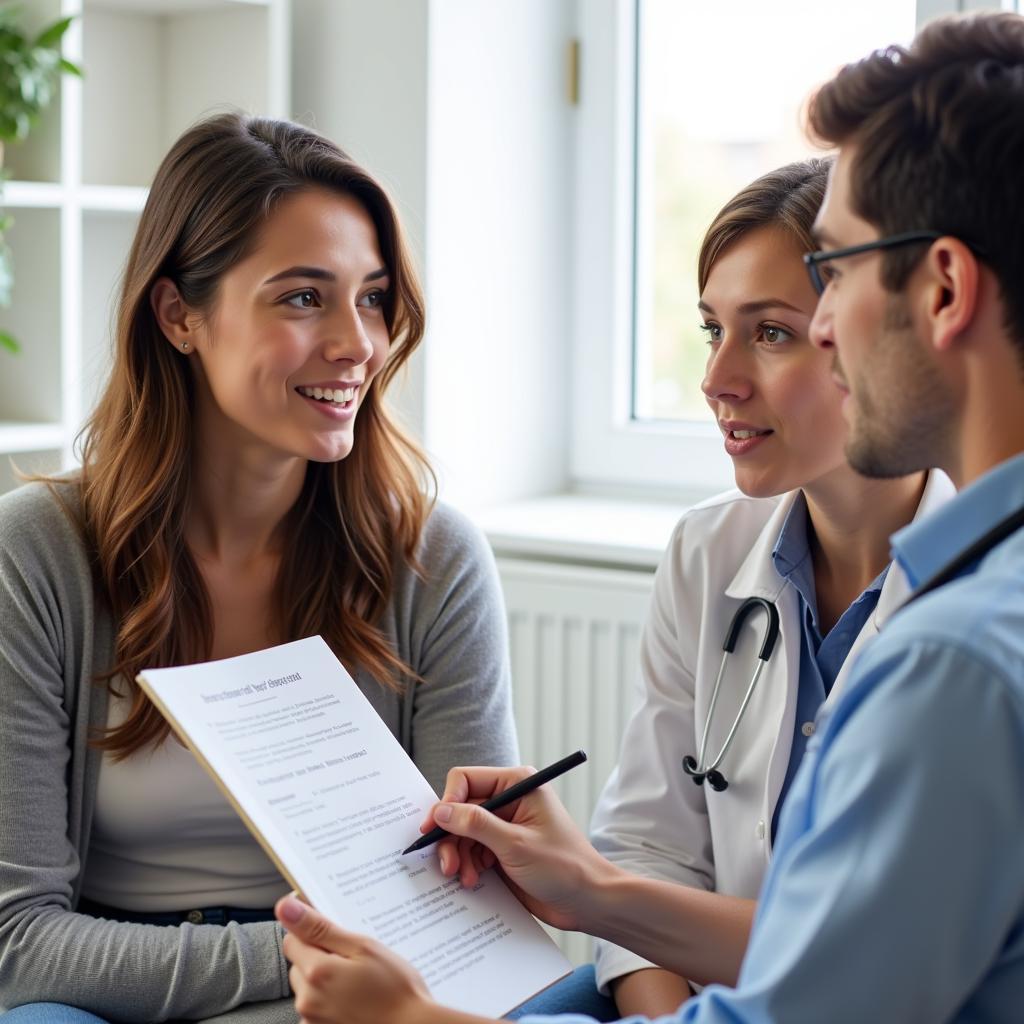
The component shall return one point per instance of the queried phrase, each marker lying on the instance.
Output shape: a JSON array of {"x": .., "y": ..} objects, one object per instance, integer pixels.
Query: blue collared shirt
[
  {"x": 896, "y": 892},
  {"x": 821, "y": 658}
]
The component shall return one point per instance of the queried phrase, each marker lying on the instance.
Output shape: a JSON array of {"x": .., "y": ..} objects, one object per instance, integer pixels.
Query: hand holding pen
[
  {"x": 507, "y": 796},
  {"x": 547, "y": 861}
]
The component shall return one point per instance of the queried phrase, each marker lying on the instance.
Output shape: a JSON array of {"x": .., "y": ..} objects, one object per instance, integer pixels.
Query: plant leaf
[
  {"x": 9, "y": 342},
  {"x": 70, "y": 69},
  {"x": 51, "y": 36}
]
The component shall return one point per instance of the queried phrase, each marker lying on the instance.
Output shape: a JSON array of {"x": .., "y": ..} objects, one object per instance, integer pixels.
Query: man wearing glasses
[{"x": 896, "y": 893}]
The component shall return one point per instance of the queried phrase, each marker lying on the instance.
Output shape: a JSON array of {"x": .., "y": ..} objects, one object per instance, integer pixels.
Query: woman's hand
[
  {"x": 340, "y": 976},
  {"x": 545, "y": 858}
]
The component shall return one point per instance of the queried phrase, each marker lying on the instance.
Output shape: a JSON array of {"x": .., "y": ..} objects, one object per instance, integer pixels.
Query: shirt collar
[
  {"x": 791, "y": 557},
  {"x": 792, "y": 549},
  {"x": 924, "y": 547},
  {"x": 791, "y": 554}
]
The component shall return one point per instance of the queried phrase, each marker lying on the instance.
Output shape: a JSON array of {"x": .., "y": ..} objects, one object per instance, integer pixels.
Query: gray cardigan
[{"x": 55, "y": 635}]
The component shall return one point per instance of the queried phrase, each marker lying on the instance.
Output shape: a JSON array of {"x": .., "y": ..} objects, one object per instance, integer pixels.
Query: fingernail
[
  {"x": 291, "y": 909},
  {"x": 443, "y": 858},
  {"x": 443, "y": 813}
]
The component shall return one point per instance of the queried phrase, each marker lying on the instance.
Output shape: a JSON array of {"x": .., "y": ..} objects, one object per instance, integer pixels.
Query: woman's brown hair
[
  {"x": 362, "y": 516},
  {"x": 788, "y": 197}
]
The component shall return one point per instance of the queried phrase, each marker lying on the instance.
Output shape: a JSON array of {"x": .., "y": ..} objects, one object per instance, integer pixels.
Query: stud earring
[{"x": 184, "y": 346}]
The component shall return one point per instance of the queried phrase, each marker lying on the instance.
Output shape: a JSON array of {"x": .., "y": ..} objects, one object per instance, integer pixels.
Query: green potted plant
[{"x": 30, "y": 70}]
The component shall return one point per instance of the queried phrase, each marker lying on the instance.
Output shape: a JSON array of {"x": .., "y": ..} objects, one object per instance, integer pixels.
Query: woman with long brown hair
[{"x": 242, "y": 484}]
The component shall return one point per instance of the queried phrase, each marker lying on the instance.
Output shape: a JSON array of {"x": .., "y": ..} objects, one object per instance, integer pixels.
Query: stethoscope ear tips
[
  {"x": 690, "y": 767},
  {"x": 714, "y": 778}
]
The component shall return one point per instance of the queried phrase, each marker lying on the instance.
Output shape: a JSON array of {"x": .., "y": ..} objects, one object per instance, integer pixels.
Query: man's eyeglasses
[{"x": 820, "y": 276}]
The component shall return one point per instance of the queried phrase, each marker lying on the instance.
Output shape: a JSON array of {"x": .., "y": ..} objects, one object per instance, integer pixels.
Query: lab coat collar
[
  {"x": 758, "y": 577},
  {"x": 937, "y": 491}
]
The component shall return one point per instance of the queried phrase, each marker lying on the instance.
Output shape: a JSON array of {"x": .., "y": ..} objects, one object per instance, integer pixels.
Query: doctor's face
[{"x": 771, "y": 390}]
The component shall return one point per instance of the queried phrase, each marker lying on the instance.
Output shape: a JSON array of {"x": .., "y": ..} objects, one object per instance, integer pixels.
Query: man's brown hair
[{"x": 939, "y": 131}]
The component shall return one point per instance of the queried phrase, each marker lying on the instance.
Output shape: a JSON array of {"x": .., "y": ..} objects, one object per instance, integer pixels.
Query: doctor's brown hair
[
  {"x": 939, "y": 131},
  {"x": 788, "y": 197},
  {"x": 360, "y": 517}
]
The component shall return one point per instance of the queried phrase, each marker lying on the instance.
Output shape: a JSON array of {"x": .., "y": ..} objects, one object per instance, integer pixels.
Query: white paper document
[{"x": 333, "y": 797}]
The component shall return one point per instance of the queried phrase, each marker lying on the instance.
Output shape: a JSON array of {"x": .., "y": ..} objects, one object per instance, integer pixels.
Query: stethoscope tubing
[
  {"x": 975, "y": 552},
  {"x": 736, "y": 721},
  {"x": 697, "y": 768}
]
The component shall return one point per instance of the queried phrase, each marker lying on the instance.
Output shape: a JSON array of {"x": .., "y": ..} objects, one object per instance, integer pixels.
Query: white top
[{"x": 165, "y": 838}]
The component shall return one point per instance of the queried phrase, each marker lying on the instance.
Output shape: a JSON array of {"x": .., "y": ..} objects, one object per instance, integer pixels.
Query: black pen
[{"x": 505, "y": 797}]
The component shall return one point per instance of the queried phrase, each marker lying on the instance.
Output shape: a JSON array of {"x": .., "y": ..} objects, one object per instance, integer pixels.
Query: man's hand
[
  {"x": 547, "y": 861},
  {"x": 341, "y": 976}
]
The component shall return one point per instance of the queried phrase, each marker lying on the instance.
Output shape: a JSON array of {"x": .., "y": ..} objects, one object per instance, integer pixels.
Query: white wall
[
  {"x": 498, "y": 245},
  {"x": 359, "y": 75},
  {"x": 461, "y": 107}
]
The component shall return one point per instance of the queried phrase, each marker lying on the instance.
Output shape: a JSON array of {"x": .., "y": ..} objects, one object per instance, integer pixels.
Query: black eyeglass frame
[{"x": 813, "y": 260}]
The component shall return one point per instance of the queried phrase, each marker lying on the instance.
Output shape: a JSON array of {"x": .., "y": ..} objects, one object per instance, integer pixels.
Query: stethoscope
[{"x": 697, "y": 768}]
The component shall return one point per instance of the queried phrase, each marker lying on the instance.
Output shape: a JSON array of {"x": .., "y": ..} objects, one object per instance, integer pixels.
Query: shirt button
[
  {"x": 807, "y": 729},
  {"x": 760, "y": 830},
  {"x": 194, "y": 917}
]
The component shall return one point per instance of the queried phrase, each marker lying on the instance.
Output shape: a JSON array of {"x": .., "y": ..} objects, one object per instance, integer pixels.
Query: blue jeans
[
  {"x": 49, "y": 1013},
  {"x": 59, "y": 1013},
  {"x": 575, "y": 994},
  {"x": 206, "y": 915}
]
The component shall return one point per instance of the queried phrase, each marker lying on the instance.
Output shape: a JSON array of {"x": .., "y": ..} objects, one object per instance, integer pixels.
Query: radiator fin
[{"x": 575, "y": 649}]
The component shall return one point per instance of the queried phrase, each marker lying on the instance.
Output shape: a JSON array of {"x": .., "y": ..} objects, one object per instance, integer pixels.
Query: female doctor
[
  {"x": 805, "y": 535},
  {"x": 803, "y": 532}
]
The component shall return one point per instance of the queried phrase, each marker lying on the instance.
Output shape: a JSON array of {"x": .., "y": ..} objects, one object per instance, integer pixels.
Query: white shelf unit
[{"x": 78, "y": 185}]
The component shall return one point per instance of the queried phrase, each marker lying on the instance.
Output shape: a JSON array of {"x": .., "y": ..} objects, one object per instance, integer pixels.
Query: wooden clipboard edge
[{"x": 183, "y": 734}]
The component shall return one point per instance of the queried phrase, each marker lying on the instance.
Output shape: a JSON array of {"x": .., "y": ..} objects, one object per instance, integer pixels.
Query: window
[
  {"x": 717, "y": 107},
  {"x": 682, "y": 105}
]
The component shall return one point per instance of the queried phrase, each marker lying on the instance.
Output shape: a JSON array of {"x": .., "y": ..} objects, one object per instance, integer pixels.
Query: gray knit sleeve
[
  {"x": 454, "y": 622},
  {"x": 50, "y": 634}
]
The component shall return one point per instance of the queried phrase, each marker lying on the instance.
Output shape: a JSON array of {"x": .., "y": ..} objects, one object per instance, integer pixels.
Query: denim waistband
[{"x": 200, "y": 915}]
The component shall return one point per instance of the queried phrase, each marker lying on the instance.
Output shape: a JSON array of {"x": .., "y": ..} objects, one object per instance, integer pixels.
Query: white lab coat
[{"x": 651, "y": 817}]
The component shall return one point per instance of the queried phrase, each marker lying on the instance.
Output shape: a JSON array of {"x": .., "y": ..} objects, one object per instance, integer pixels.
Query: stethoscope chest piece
[{"x": 697, "y": 767}]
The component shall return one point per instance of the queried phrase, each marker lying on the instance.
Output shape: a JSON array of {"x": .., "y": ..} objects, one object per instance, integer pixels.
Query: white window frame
[
  {"x": 608, "y": 447},
  {"x": 609, "y": 450}
]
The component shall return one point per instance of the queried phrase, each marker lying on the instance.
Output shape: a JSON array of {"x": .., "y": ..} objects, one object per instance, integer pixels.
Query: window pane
[{"x": 721, "y": 90}]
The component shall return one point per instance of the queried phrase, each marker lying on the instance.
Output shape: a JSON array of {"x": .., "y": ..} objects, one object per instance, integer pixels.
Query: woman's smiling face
[
  {"x": 770, "y": 389},
  {"x": 297, "y": 332}
]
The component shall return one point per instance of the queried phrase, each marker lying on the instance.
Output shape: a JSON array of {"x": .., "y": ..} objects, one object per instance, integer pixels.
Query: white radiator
[{"x": 575, "y": 639}]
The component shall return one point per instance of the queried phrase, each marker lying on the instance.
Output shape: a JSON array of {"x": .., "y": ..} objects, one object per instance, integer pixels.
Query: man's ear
[
  {"x": 179, "y": 327},
  {"x": 951, "y": 291}
]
